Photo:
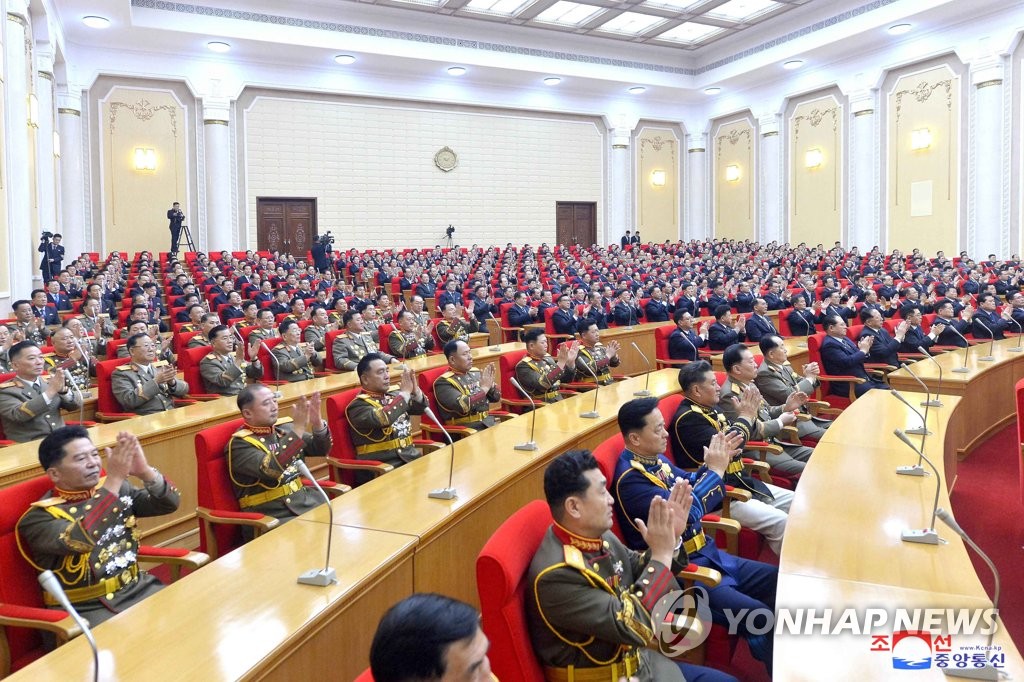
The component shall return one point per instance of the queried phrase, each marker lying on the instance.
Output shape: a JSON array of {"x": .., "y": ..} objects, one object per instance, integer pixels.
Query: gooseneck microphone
[
  {"x": 319, "y": 577},
  {"x": 992, "y": 336},
  {"x": 70, "y": 381},
  {"x": 497, "y": 346},
  {"x": 531, "y": 444},
  {"x": 988, "y": 672},
  {"x": 1020, "y": 336},
  {"x": 597, "y": 387},
  {"x": 49, "y": 582},
  {"x": 967, "y": 347},
  {"x": 938, "y": 388},
  {"x": 925, "y": 536},
  {"x": 646, "y": 391},
  {"x": 448, "y": 493},
  {"x": 923, "y": 429}
]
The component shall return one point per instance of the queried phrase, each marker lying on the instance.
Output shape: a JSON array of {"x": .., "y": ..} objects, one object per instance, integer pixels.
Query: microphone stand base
[
  {"x": 589, "y": 415},
  {"x": 318, "y": 577},
  {"x": 928, "y": 536},
  {"x": 494, "y": 348},
  {"x": 961, "y": 370},
  {"x": 915, "y": 470},
  {"x": 642, "y": 394},
  {"x": 443, "y": 494},
  {"x": 931, "y": 403},
  {"x": 526, "y": 447},
  {"x": 987, "y": 358},
  {"x": 629, "y": 328},
  {"x": 1015, "y": 349},
  {"x": 801, "y": 345},
  {"x": 919, "y": 431},
  {"x": 986, "y": 673}
]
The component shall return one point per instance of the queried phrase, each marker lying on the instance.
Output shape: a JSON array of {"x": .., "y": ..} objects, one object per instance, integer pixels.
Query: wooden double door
[
  {"x": 576, "y": 222},
  {"x": 287, "y": 225}
]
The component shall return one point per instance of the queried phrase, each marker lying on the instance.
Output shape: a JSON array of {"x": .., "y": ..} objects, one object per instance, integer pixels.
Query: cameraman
[
  {"x": 176, "y": 218},
  {"x": 53, "y": 255},
  {"x": 321, "y": 251}
]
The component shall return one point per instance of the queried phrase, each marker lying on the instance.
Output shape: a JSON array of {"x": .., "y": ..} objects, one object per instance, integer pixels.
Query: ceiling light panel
[
  {"x": 505, "y": 8},
  {"x": 743, "y": 10},
  {"x": 428, "y": 3},
  {"x": 677, "y": 5},
  {"x": 690, "y": 32},
  {"x": 565, "y": 13},
  {"x": 630, "y": 23}
]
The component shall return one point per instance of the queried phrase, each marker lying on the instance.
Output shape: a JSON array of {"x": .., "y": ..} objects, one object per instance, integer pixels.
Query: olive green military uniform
[
  {"x": 459, "y": 330},
  {"x": 793, "y": 458},
  {"x": 136, "y": 389},
  {"x": 542, "y": 378},
  {"x": 463, "y": 402},
  {"x": 81, "y": 370},
  {"x": 598, "y": 363},
  {"x": 348, "y": 349},
  {"x": 380, "y": 426},
  {"x": 293, "y": 364},
  {"x": 408, "y": 344},
  {"x": 26, "y": 415},
  {"x": 223, "y": 375}
]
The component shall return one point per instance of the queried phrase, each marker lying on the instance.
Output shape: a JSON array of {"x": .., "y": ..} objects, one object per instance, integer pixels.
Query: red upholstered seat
[
  {"x": 343, "y": 453},
  {"x": 510, "y": 397},
  {"x": 107, "y": 407}
]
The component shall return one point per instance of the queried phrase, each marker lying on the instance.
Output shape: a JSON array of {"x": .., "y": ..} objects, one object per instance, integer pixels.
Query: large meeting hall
[{"x": 423, "y": 198}]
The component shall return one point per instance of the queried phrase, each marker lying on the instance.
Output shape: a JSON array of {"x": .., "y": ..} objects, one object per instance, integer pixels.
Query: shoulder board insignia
[
  {"x": 447, "y": 375},
  {"x": 574, "y": 557},
  {"x": 9, "y": 384},
  {"x": 697, "y": 409},
  {"x": 48, "y": 502},
  {"x": 241, "y": 433},
  {"x": 637, "y": 465},
  {"x": 210, "y": 356},
  {"x": 49, "y": 356},
  {"x": 283, "y": 420},
  {"x": 159, "y": 363},
  {"x": 735, "y": 388},
  {"x": 125, "y": 367}
]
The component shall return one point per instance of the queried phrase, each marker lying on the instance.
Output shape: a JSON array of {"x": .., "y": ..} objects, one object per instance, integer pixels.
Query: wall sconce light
[
  {"x": 56, "y": 144},
  {"x": 33, "y": 110},
  {"x": 732, "y": 173},
  {"x": 813, "y": 158},
  {"x": 920, "y": 139},
  {"x": 145, "y": 159},
  {"x": 658, "y": 178}
]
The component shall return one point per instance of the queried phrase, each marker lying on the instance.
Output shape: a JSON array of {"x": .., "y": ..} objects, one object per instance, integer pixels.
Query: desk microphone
[
  {"x": 631, "y": 317},
  {"x": 277, "y": 370},
  {"x": 808, "y": 326},
  {"x": 923, "y": 430},
  {"x": 924, "y": 403},
  {"x": 597, "y": 387},
  {"x": 992, "y": 336},
  {"x": 938, "y": 389},
  {"x": 449, "y": 492},
  {"x": 1020, "y": 336},
  {"x": 987, "y": 672},
  {"x": 645, "y": 393},
  {"x": 963, "y": 369},
  {"x": 70, "y": 380},
  {"x": 531, "y": 444},
  {"x": 926, "y": 536},
  {"x": 49, "y": 582},
  {"x": 495, "y": 347},
  {"x": 319, "y": 577}
]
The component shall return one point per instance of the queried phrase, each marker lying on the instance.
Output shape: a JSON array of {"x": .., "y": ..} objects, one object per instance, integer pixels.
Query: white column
[
  {"x": 24, "y": 260},
  {"x": 986, "y": 223},
  {"x": 772, "y": 222},
  {"x": 620, "y": 190},
  {"x": 46, "y": 167},
  {"x": 863, "y": 171},
  {"x": 72, "y": 179},
  {"x": 696, "y": 186},
  {"x": 217, "y": 150}
]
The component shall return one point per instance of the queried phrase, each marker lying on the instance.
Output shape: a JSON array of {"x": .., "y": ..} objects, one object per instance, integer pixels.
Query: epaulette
[
  {"x": 48, "y": 502},
  {"x": 241, "y": 433},
  {"x": 447, "y": 375},
  {"x": 125, "y": 366},
  {"x": 9, "y": 384},
  {"x": 574, "y": 557},
  {"x": 735, "y": 388},
  {"x": 283, "y": 420},
  {"x": 210, "y": 356},
  {"x": 159, "y": 363},
  {"x": 49, "y": 356},
  {"x": 697, "y": 409}
]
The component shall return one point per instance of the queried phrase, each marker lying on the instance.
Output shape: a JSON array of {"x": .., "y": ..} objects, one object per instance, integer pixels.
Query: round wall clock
[{"x": 446, "y": 159}]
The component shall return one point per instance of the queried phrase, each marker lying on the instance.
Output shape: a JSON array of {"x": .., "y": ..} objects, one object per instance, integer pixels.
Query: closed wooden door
[
  {"x": 287, "y": 225},
  {"x": 576, "y": 222}
]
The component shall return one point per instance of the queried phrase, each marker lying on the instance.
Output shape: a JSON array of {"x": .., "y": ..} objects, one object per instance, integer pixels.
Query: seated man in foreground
[
  {"x": 464, "y": 394},
  {"x": 261, "y": 455},
  {"x": 29, "y": 406},
  {"x": 588, "y": 598},
  {"x": 84, "y": 530},
  {"x": 842, "y": 357},
  {"x": 777, "y": 381},
  {"x": 643, "y": 473},
  {"x": 540, "y": 374}
]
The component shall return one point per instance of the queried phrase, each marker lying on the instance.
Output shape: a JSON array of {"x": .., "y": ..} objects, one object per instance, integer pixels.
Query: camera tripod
[{"x": 187, "y": 234}]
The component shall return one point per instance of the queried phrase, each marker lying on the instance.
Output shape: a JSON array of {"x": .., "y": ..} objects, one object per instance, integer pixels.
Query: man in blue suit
[
  {"x": 842, "y": 357},
  {"x": 684, "y": 342},
  {"x": 562, "y": 319},
  {"x": 657, "y": 309},
  {"x": 988, "y": 324},
  {"x": 758, "y": 325},
  {"x": 885, "y": 347}
]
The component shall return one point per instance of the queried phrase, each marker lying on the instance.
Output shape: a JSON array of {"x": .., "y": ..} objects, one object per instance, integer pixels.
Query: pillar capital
[{"x": 216, "y": 110}]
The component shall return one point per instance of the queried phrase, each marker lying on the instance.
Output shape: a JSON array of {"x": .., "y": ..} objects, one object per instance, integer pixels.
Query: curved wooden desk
[{"x": 843, "y": 550}]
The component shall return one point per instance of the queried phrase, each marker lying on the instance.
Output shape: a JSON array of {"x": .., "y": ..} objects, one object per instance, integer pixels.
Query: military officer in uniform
[
  {"x": 464, "y": 393},
  {"x": 453, "y": 326},
  {"x": 265, "y": 328},
  {"x": 143, "y": 386},
  {"x": 261, "y": 456},
  {"x": 695, "y": 423},
  {"x": 6, "y": 341},
  {"x": 29, "y": 405},
  {"x": 164, "y": 343},
  {"x": 777, "y": 381},
  {"x": 68, "y": 355},
  {"x": 771, "y": 420},
  {"x": 539, "y": 373},
  {"x": 84, "y": 530},
  {"x": 589, "y": 600},
  {"x": 206, "y": 323},
  {"x": 97, "y": 324},
  {"x": 410, "y": 340},
  {"x": 378, "y": 418},
  {"x": 315, "y": 334},
  {"x": 27, "y": 325},
  {"x": 293, "y": 361},
  {"x": 594, "y": 359},
  {"x": 355, "y": 344},
  {"x": 224, "y": 370}
]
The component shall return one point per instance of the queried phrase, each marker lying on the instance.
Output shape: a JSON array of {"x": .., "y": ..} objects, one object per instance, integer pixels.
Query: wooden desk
[
  {"x": 245, "y": 617},
  {"x": 987, "y": 388}
]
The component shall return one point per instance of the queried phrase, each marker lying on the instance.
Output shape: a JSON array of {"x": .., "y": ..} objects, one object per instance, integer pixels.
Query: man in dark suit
[
  {"x": 744, "y": 300},
  {"x": 717, "y": 299},
  {"x": 725, "y": 331},
  {"x": 684, "y": 342},
  {"x": 41, "y": 310},
  {"x": 945, "y": 316},
  {"x": 988, "y": 324},
  {"x": 915, "y": 337},
  {"x": 842, "y": 357},
  {"x": 521, "y": 314},
  {"x": 689, "y": 301},
  {"x": 758, "y": 325},
  {"x": 802, "y": 320},
  {"x": 175, "y": 218},
  {"x": 658, "y": 309},
  {"x": 563, "y": 320},
  {"x": 626, "y": 312},
  {"x": 595, "y": 310},
  {"x": 885, "y": 347}
]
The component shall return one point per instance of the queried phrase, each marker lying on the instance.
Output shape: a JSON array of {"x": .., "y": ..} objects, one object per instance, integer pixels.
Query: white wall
[{"x": 371, "y": 168}]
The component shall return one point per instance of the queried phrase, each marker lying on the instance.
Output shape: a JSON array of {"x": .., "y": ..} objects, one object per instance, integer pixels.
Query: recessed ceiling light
[
  {"x": 552, "y": 80},
  {"x": 96, "y": 22},
  {"x": 793, "y": 64},
  {"x": 714, "y": 90},
  {"x": 899, "y": 29},
  {"x": 217, "y": 46},
  {"x": 637, "y": 89},
  {"x": 344, "y": 59},
  {"x": 456, "y": 70}
]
